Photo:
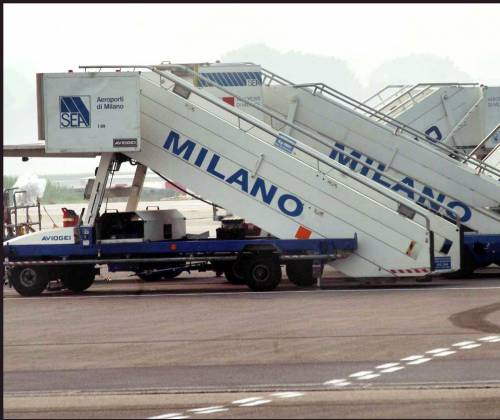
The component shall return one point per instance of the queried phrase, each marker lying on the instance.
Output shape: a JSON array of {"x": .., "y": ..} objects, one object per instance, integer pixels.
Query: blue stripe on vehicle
[
  {"x": 219, "y": 79},
  {"x": 227, "y": 79},
  {"x": 232, "y": 77},
  {"x": 241, "y": 79}
]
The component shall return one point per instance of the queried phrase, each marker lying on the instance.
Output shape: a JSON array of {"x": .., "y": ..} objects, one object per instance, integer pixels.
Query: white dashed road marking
[
  {"x": 385, "y": 368},
  {"x": 392, "y": 369},
  {"x": 414, "y": 357},
  {"x": 196, "y": 410},
  {"x": 371, "y": 376},
  {"x": 463, "y": 343},
  {"x": 335, "y": 382},
  {"x": 387, "y": 365},
  {"x": 213, "y": 410},
  {"x": 444, "y": 353},
  {"x": 491, "y": 338},
  {"x": 287, "y": 394},
  {"x": 343, "y": 383},
  {"x": 361, "y": 373},
  {"x": 435, "y": 351},
  {"x": 419, "y": 361},
  {"x": 254, "y": 403},
  {"x": 208, "y": 410},
  {"x": 470, "y": 346},
  {"x": 245, "y": 400}
]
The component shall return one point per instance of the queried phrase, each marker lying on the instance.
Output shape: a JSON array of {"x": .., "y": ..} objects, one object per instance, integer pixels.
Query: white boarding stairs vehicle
[
  {"x": 397, "y": 151},
  {"x": 456, "y": 114},
  {"x": 392, "y": 154},
  {"x": 245, "y": 165}
]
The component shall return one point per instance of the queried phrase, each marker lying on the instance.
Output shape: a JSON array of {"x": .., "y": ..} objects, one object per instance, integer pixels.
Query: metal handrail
[
  {"x": 380, "y": 91},
  {"x": 404, "y": 103},
  {"x": 404, "y": 128},
  {"x": 492, "y": 152},
  {"x": 482, "y": 142},
  {"x": 298, "y": 145},
  {"x": 432, "y": 85}
]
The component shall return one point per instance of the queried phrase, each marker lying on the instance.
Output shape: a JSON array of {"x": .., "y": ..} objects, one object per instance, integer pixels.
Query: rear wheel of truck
[
  {"x": 29, "y": 281},
  {"x": 78, "y": 278},
  {"x": 300, "y": 273},
  {"x": 262, "y": 274},
  {"x": 234, "y": 273}
]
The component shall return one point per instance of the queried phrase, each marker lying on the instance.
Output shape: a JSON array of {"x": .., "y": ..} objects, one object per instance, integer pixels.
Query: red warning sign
[{"x": 228, "y": 100}]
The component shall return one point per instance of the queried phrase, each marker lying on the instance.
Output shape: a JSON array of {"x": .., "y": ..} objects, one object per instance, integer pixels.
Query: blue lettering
[
  {"x": 365, "y": 169},
  {"x": 201, "y": 157},
  {"x": 428, "y": 192},
  {"x": 377, "y": 177},
  {"x": 240, "y": 177},
  {"x": 299, "y": 207},
  {"x": 212, "y": 167},
  {"x": 260, "y": 185},
  {"x": 186, "y": 148},
  {"x": 344, "y": 159},
  {"x": 467, "y": 212},
  {"x": 407, "y": 181}
]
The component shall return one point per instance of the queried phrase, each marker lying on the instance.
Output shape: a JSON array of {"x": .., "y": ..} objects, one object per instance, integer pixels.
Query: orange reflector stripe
[{"x": 303, "y": 233}]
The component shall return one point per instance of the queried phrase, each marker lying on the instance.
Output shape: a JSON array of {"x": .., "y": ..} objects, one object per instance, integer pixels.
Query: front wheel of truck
[{"x": 29, "y": 280}]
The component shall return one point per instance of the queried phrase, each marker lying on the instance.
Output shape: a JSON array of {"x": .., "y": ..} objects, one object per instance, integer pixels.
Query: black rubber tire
[
  {"x": 300, "y": 273},
  {"x": 262, "y": 274},
  {"x": 78, "y": 278},
  {"x": 233, "y": 273},
  {"x": 29, "y": 280}
]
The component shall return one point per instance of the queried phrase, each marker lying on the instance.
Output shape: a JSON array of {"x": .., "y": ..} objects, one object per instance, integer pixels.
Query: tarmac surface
[{"x": 198, "y": 347}]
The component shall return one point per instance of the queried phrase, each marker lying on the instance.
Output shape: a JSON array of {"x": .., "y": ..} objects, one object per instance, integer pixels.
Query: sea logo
[{"x": 74, "y": 111}]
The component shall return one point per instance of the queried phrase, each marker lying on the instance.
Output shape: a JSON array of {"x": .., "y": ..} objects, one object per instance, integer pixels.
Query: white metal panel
[{"x": 91, "y": 112}]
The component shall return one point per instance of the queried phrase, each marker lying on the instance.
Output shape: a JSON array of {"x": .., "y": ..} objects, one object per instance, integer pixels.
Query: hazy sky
[{"x": 55, "y": 38}]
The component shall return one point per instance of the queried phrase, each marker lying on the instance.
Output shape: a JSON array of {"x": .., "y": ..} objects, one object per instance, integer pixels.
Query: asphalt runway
[{"x": 198, "y": 347}]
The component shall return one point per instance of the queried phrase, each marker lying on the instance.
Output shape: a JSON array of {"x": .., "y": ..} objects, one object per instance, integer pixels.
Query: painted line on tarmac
[
  {"x": 383, "y": 369},
  {"x": 166, "y": 293}
]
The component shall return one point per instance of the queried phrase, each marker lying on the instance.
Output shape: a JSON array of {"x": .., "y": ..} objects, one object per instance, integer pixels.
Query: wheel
[
  {"x": 300, "y": 273},
  {"x": 29, "y": 281},
  {"x": 234, "y": 273},
  {"x": 78, "y": 278},
  {"x": 262, "y": 274}
]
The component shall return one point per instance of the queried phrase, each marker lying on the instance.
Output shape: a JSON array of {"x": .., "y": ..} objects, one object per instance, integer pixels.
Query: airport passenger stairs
[
  {"x": 457, "y": 114},
  {"x": 348, "y": 129},
  {"x": 284, "y": 186}
]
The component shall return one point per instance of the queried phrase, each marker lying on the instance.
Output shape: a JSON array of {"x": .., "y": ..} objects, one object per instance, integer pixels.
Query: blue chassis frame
[
  {"x": 484, "y": 248},
  {"x": 204, "y": 247}
]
